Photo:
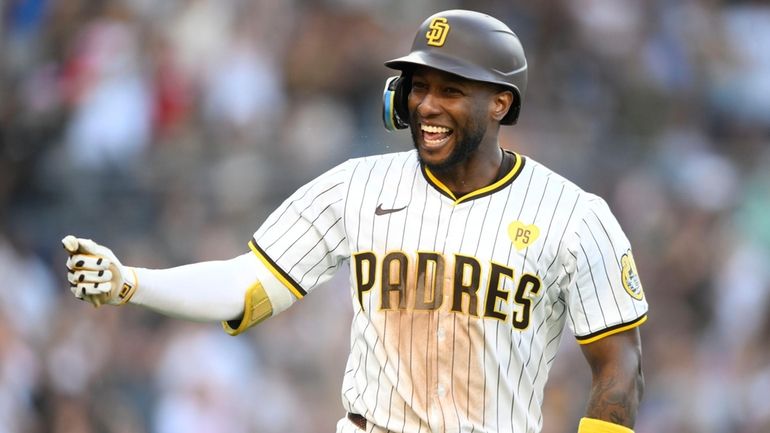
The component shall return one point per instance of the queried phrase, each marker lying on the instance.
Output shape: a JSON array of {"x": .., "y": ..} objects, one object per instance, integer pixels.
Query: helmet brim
[{"x": 447, "y": 64}]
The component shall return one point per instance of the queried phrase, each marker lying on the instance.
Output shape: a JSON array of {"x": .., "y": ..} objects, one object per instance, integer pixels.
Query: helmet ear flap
[{"x": 395, "y": 113}]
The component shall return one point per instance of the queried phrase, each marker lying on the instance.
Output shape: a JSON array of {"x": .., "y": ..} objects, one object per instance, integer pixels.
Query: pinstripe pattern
[{"x": 416, "y": 365}]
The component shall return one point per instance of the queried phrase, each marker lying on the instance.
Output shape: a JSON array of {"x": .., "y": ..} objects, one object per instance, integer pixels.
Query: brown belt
[{"x": 358, "y": 420}]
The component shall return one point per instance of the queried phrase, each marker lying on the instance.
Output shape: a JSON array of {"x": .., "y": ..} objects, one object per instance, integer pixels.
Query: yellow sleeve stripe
[
  {"x": 592, "y": 425},
  {"x": 611, "y": 330},
  {"x": 279, "y": 273}
]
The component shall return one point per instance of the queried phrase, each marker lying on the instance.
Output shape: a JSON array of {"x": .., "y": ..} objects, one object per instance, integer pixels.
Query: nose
[{"x": 428, "y": 105}]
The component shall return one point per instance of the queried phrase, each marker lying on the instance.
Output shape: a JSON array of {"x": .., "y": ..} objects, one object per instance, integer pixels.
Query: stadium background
[{"x": 168, "y": 130}]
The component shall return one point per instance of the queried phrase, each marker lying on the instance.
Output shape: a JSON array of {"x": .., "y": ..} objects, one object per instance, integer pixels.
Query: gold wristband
[
  {"x": 257, "y": 307},
  {"x": 593, "y": 425}
]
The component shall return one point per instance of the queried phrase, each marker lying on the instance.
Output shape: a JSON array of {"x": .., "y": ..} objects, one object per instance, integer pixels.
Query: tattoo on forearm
[{"x": 613, "y": 401}]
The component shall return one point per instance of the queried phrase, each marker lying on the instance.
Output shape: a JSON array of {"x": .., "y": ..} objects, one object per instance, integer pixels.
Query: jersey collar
[{"x": 506, "y": 180}]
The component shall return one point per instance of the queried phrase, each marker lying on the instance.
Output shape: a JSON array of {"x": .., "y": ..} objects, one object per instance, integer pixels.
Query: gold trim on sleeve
[
  {"x": 282, "y": 276},
  {"x": 611, "y": 331}
]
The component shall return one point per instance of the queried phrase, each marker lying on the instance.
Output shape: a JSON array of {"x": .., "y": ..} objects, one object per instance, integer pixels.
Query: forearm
[
  {"x": 206, "y": 291},
  {"x": 618, "y": 383},
  {"x": 615, "y": 397}
]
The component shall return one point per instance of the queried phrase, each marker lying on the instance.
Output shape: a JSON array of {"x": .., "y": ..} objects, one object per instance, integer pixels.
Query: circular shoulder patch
[{"x": 630, "y": 276}]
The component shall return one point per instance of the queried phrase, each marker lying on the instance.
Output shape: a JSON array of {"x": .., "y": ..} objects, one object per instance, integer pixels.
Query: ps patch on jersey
[
  {"x": 630, "y": 276},
  {"x": 522, "y": 235}
]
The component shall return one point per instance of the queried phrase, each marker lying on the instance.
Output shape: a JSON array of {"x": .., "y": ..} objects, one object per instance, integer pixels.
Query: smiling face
[{"x": 450, "y": 116}]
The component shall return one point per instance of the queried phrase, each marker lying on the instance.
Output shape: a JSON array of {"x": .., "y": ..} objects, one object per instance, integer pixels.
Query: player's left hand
[{"x": 95, "y": 274}]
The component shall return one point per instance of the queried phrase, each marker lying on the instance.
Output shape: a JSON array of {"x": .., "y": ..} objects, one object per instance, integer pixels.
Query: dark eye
[
  {"x": 418, "y": 85},
  {"x": 453, "y": 91}
]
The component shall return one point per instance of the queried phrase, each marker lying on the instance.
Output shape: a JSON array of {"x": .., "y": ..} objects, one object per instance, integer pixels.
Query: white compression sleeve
[{"x": 206, "y": 291}]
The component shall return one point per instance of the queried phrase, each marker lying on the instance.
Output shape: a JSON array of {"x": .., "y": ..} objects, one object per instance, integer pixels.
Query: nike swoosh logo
[{"x": 381, "y": 211}]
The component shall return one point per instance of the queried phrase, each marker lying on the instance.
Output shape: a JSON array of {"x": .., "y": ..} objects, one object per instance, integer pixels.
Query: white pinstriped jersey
[{"x": 459, "y": 303}]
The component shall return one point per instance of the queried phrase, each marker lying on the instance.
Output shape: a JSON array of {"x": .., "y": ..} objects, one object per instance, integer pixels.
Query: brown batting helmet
[{"x": 468, "y": 44}]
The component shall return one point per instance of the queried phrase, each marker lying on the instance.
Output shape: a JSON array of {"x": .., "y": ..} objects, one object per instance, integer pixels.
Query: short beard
[{"x": 471, "y": 140}]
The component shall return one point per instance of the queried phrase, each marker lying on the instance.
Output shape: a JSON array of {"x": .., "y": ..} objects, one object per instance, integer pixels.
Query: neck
[{"x": 484, "y": 167}]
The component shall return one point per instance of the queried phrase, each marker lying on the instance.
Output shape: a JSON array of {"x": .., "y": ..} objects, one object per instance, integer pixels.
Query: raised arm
[
  {"x": 618, "y": 383},
  {"x": 239, "y": 292}
]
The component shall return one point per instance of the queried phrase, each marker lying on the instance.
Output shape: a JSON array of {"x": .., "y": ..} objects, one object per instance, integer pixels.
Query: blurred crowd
[{"x": 169, "y": 130}]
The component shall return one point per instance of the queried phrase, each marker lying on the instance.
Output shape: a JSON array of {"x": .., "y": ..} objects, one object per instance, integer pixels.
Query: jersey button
[
  {"x": 441, "y": 390},
  {"x": 440, "y": 334}
]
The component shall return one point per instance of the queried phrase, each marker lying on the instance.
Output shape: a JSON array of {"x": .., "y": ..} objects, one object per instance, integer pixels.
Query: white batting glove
[{"x": 96, "y": 275}]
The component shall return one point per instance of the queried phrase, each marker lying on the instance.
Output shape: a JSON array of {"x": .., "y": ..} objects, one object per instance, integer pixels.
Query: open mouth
[{"x": 435, "y": 136}]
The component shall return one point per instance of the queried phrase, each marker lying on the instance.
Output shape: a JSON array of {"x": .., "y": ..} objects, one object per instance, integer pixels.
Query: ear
[{"x": 500, "y": 104}]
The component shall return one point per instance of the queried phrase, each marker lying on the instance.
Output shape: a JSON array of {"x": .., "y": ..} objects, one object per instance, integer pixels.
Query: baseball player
[{"x": 466, "y": 260}]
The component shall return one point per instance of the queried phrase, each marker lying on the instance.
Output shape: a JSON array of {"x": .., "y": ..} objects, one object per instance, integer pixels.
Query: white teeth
[{"x": 434, "y": 129}]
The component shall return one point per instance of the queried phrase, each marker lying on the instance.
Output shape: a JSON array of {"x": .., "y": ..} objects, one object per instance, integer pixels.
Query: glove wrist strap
[{"x": 129, "y": 287}]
